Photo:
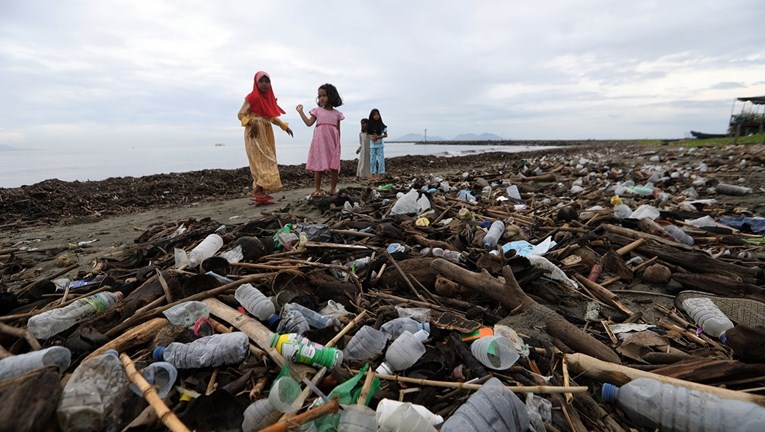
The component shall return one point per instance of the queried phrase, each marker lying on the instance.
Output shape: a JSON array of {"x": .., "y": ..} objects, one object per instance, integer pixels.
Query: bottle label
[{"x": 99, "y": 302}]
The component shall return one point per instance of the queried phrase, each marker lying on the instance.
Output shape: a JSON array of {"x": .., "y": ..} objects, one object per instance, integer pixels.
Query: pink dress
[{"x": 324, "y": 154}]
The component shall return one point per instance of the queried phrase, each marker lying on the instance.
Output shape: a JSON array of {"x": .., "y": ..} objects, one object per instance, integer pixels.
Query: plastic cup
[
  {"x": 495, "y": 352},
  {"x": 283, "y": 393},
  {"x": 357, "y": 418}
]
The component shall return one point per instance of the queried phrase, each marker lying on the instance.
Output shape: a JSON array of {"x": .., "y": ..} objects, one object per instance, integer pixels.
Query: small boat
[{"x": 702, "y": 135}]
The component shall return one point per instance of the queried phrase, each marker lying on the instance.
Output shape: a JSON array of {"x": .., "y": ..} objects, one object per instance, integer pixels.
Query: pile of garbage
[{"x": 562, "y": 292}]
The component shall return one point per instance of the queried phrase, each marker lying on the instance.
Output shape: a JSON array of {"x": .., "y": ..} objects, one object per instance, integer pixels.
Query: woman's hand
[
  {"x": 289, "y": 132},
  {"x": 254, "y": 131}
]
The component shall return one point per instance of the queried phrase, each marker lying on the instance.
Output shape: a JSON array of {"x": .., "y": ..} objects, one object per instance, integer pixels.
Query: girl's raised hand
[{"x": 299, "y": 108}]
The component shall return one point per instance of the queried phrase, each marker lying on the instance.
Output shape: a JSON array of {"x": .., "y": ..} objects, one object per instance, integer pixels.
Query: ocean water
[{"x": 30, "y": 166}]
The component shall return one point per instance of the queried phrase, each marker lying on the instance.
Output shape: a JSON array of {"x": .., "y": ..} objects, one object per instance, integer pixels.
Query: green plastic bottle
[{"x": 301, "y": 350}]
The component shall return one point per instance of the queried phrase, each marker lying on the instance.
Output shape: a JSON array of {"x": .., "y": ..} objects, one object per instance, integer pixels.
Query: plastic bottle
[
  {"x": 53, "y": 322},
  {"x": 395, "y": 327},
  {"x": 205, "y": 249},
  {"x": 708, "y": 316},
  {"x": 395, "y": 415},
  {"x": 161, "y": 375},
  {"x": 450, "y": 255},
  {"x": 653, "y": 404},
  {"x": 367, "y": 343},
  {"x": 20, "y": 364},
  {"x": 256, "y": 303},
  {"x": 292, "y": 321},
  {"x": 284, "y": 391},
  {"x": 642, "y": 190},
  {"x": 729, "y": 189},
  {"x": 90, "y": 393},
  {"x": 301, "y": 350},
  {"x": 495, "y": 232},
  {"x": 493, "y": 408},
  {"x": 679, "y": 235},
  {"x": 209, "y": 351},
  {"x": 495, "y": 352},
  {"x": 314, "y": 319},
  {"x": 187, "y": 313},
  {"x": 403, "y": 352}
]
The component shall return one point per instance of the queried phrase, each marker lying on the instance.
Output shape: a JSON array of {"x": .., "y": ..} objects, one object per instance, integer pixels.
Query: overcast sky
[{"x": 84, "y": 73}]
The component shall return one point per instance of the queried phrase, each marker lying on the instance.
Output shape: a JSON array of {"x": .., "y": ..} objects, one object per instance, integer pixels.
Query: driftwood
[
  {"x": 720, "y": 285},
  {"x": 511, "y": 295}
]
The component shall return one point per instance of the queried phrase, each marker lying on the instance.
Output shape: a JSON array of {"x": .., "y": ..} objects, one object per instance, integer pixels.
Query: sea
[{"x": 19, "y": 167}]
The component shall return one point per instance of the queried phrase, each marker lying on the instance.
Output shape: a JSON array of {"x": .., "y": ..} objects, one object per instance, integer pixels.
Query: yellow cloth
[{"x": 246, "y": 120}]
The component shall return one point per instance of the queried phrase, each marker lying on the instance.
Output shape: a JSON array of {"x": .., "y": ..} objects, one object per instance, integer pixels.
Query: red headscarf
[{"x": 263, "y": 104}]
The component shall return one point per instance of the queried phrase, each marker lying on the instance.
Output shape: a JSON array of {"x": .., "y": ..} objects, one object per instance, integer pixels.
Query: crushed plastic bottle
[
  {"x": 53, "y": 322},
  {"x": 708, "y": 316},
  {"x": 292, "y": 321},
  {"x": 187, "y": 313},
  {"x": 22, "y": 363},
  {"x": 256, "y": 303},
  {"x": 313, "y": 318},
  {"x": 403, "y": 352},
  {"x": 395, "y": 327},
  {"x": 679, "y": 234},
  {"x": 367, "y": 343},
  {"x": 493, "y": 408},
  {"x": 209, "y": 351}
]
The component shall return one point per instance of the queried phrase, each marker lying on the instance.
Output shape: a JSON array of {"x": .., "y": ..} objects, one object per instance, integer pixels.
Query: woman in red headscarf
[{"x": 258, "y": 112}]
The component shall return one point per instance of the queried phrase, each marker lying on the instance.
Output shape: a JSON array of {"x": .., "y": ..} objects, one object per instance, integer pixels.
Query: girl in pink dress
[{"x": 324, "y": 154}]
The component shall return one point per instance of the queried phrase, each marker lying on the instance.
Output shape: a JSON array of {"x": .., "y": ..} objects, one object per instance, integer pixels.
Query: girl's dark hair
[
  {"x": 364, "y": 123},
  {"x": 332, "y": 95},
  {"x": 375, "y": 127}
]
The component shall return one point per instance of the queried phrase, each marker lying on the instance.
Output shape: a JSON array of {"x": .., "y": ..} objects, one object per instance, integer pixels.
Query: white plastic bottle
[
  {"x": 259, "y": 415},
  {"x": 205, "y": 249},
  {"x": 495, "y": 352},
  {"x": 314, "y": 319},
  {"x": 495, "y": 232},
  {"x": 20, "y": 364},
  {"x": 493, "y": 408},
  {"x": 396, "y": 415},
  {"x": 708, "y": 316},
  {"x": 90, "y": 393},
  {"x": 53, "y": 322},
  {"x": 256, "y": 303},
  {"x": 450, "y": 255},
  {"x": 679, "y": 235},
  {"x": 367, "y": 343},
  {"x": 187, "y": 313},
  {"x": 209, "y": 351},
  {"x": 403, "y": 352},
  {"x": 653, "y": 404},
  {"x": 395, "y": 327}
]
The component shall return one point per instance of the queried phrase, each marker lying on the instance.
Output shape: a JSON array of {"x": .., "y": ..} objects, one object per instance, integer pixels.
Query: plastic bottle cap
[
  {"x": 120, "y": 295},
  {"x": 426, "y": 327},
  {"x": 158, "y": 353},
  {"x": 384, "y": 369},
  {"x": 609, "y": 393},
  {"x": 273, "y": 321},
  {"x": 723, "y": 338}
]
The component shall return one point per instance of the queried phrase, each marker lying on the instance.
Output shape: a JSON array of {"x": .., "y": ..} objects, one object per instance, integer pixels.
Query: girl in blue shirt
[{"x": 376, "y": 130}]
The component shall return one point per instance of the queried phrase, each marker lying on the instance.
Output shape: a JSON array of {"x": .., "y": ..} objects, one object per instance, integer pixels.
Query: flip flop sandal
[
  {"x": 739, "y": 310},
  {"x": 320, "y": 194}
]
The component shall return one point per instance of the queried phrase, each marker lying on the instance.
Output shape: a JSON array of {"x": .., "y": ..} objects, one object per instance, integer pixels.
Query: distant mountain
[
  {"x": 482, "y": 137},
  {"x": 412, "y": 137}
]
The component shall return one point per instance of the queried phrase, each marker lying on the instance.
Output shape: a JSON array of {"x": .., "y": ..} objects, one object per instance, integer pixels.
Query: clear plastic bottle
[
  {"x": 256, "y": 303},
  {"x": 314, "y": 319},
  {"x": 493, "y": 408},
  {"x": 653, "y": 404},
  {"x": 450, "y": 255},
  {"x": 20, "y": 364},
  {"x": 403, "y": 352},
  {"x": 53, "y": 322},
  {"x": 495, "y": 232},
  {"x": 209, "y": 351},
  {"x": 302, "y": 350},
  {"x": 292, "y": 321},
  {"x": 187, "y": 313},
  {"x": 729, "y": 189},
  {"x": 205, "y": 249},
  {"x": 395, "y": 327},
  {"x": 357, "y": 418},
  {"x": 708, "y": 316},
  {"x": 679, "y": 235},
  {"x": 161, "y": 375},
  {"x": 90, "y": 393},
  {"x": 259, "y": 415},
  {"x": 495, "y": 352},
  {"x": 367, "y": 343}
]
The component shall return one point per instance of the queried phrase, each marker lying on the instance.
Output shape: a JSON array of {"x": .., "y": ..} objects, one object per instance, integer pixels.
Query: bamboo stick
[
  {"x": 166, "y": 416},
  {"x": 290, "y": 423},
  {"x": 138, "y": 335},
  {"x": 466, "y": 386}
]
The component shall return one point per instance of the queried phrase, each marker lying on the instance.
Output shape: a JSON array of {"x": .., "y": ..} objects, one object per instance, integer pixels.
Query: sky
[{"x": 82, "y": 73}]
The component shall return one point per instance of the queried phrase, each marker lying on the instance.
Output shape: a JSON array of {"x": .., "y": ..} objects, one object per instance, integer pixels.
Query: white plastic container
[
  {"x": 205, "y": 249},
  {"x": 20, "y": 364},
  {"x": 209, "y": 351},
  {"x": 367, "y": 343},
  {"x": 495, "y": 352},
  {"x": 493, "y": 408},
  {"x": 394, "y": 415},
  {"x": 255, "y": 302},
  {"x": 403, "y": 352},
  {"x": 187, "y": 313},
  {"x": 708, "y": 316},
  {"x": 53, "y": 322},
  {"x": 496, "y": 230},
  {"x": 395, "y": 327},
  {"x": 90, "y": 393},
  {"x": 653, "y": 404}
]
